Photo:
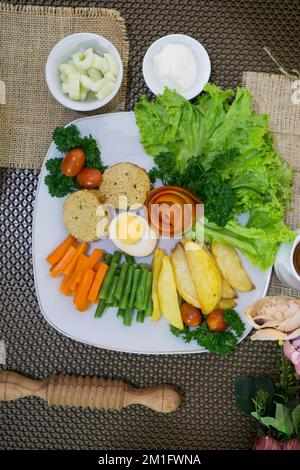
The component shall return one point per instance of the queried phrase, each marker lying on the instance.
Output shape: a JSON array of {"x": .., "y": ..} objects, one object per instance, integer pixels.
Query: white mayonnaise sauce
[{"x": 176, "y": 66}]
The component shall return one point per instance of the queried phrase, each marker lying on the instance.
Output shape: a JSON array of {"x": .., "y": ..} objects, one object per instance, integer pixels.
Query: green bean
[
  {"x": 107, "y": 258},
  {"x": 124, "y": 301},
  {"x": 100, "y": 309},
  {"x": 108, "y": 280},
  {"x": 127, "y": 319},
  {"x": 135, "y": 282},
  {"x": 149, "y": 308},
  {"x": 148, "y": 290},
  {"x": 130, "y": 259},
  {"x": 120, "y": 313},
  {"x": 121, "y": 281},
  {"x": 141, "y": 290},
  {"x": 140, "y": 316},
  {"x": 116, "y": 257},
  {"x": 112, "y": 290}
]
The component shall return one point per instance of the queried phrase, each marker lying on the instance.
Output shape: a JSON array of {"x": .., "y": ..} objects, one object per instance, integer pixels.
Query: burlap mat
[
  {"x": 274, "y": 94},
  {"x": 27, "y": 35}
]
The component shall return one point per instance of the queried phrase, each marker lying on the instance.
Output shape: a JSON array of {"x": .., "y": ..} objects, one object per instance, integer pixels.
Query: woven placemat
[
  {"x": 27, "y": 35},
  {"x": 233, "y": 33},
  {"x": 274, "y": 94}
]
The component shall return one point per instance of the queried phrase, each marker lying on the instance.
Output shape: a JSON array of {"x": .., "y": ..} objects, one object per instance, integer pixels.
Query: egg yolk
[{"x": 129, "y": 229}]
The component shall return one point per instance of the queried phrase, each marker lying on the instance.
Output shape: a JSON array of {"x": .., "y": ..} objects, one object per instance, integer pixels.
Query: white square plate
[{"x": 118, "y": 139}]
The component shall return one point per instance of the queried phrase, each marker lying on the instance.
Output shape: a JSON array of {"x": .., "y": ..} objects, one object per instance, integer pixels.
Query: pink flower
[
  {"x": 269, "y": 443},
  {"x": 291, "y": 349}
]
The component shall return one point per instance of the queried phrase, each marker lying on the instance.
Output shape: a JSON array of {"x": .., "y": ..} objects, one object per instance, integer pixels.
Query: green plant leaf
[
  {"x": 244, "y": 388},
  {"x": 245, "y": 406},
  {"x": 282, "y": 421},
  {"x": 296, "y": 420}
]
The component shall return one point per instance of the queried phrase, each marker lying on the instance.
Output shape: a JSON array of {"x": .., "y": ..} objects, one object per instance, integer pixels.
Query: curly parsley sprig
[
  {"x": 66, "y": 139},
  {"x": 221, "y": 343}
]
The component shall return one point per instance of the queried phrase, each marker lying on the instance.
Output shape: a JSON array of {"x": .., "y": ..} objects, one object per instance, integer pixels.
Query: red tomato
[
  {"x": 89, "y": 178},
  {"x": 215, "y": 321},
  {"x": 73, "y": 162},
  {"x": 191, "y": 315}
]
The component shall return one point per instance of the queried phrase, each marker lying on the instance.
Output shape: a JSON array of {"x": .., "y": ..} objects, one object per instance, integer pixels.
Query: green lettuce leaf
[
  {"x": 258, "y": 240},
  {"x": 235, "y": 165}
]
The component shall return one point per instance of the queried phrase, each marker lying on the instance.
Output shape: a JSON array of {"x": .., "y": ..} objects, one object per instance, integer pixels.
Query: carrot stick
[
  {"x": 81, "y": 294},
  {"x": 58, "y": 268},
  {"x": 83, "y": 307},
  {"x": 57, "y": 254},
  {"x": 77, "y": 274},
  {"x": 95, "y": 287},
  {"x": 67, "y": 271},
  {"x": 64, "y": 289},
  {"x": 95, "y": 257}
]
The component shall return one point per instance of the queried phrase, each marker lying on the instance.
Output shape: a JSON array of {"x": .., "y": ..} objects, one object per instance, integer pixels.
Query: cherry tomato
[
  {"x": 89, "y": 178},
  {"x": 73, "y": 162},
  {"x": 215, "y": 321},
  {"x": 191, "y": 315}
]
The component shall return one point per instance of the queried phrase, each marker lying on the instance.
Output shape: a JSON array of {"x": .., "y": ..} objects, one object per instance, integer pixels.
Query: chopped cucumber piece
[
  {"x": 67, "y": 68},
  {"x": 87, "y": 72},
  {"x": 65, "y": 88},
  {"x": 94, "y": 73},
  {"x": 110, "y": 77},
  {"x": 105, "y": 90},
  {"x": 93, "y": 85},
  {"x": 74, "y": 86},
  {"x": 83, "y": 60},
  {"x": 83, "y": 92},
  {"x": 100, "y": 63},
  {"x": 112, "y": 64}
]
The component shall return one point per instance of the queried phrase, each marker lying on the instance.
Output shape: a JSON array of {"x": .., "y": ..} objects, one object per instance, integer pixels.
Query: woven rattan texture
[{"x": 234, "y": 33}]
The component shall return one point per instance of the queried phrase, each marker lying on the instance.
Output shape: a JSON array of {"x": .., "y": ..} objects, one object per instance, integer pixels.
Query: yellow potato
[
  {"x": 227, "y": 291},
  {"x": 224, "y": 304},
  {"x": 184, "y": 282},
  {"x": 205, "y": 274},
  {"x": 167, "y": 295},
  {"x": 156, "y": 268},
  {"x": 231, "y": 266}
]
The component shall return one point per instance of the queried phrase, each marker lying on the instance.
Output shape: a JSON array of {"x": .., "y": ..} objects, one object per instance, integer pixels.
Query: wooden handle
[{"x": 89, "y": 392}]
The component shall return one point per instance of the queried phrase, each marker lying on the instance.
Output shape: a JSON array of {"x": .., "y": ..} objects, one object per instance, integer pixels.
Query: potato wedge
[
  {"x": 227, "y": 291},
  {"x": 167, "y": 294},
  {"x": 205, "y": 274},
  {"x": 156, "y": 268},
  {"x": 184, "y": 282},
  {"x": 225, "y": 304},
  {"x": 231, "y": 266}
]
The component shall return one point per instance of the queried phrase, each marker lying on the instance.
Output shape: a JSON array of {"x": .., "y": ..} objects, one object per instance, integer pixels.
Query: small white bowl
[
  {"x": 201, "y": 56},
  {"x": 62, "y": 52}
]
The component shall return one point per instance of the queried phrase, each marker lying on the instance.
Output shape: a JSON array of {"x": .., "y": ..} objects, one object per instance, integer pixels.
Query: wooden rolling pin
[{"x": 66, "y": 390}]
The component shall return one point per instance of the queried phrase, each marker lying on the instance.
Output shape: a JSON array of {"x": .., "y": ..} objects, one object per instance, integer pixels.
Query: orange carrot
[
  {"x": 58, "y": 268},
  {"x": 67, "y": 271},
  {"x": 81, "y": 294},
  {"x": 95, "y": 287},
  {"x": 64, "y": 289},
  {"x": 95, "y": 257},
  {"x": 57, "y": 254},
  {"x": 77, "y": 274},
  {"x": 83, "y": 307}
]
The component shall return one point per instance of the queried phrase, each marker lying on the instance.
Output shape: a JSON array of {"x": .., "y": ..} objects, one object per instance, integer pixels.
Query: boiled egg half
[{"x": 131, "y": 233}]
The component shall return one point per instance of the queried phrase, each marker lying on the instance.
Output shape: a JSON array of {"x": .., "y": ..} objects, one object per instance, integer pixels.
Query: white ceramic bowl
[
  {"x": 201, "y": 56},
  {"x": 62, "y": 52}
]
